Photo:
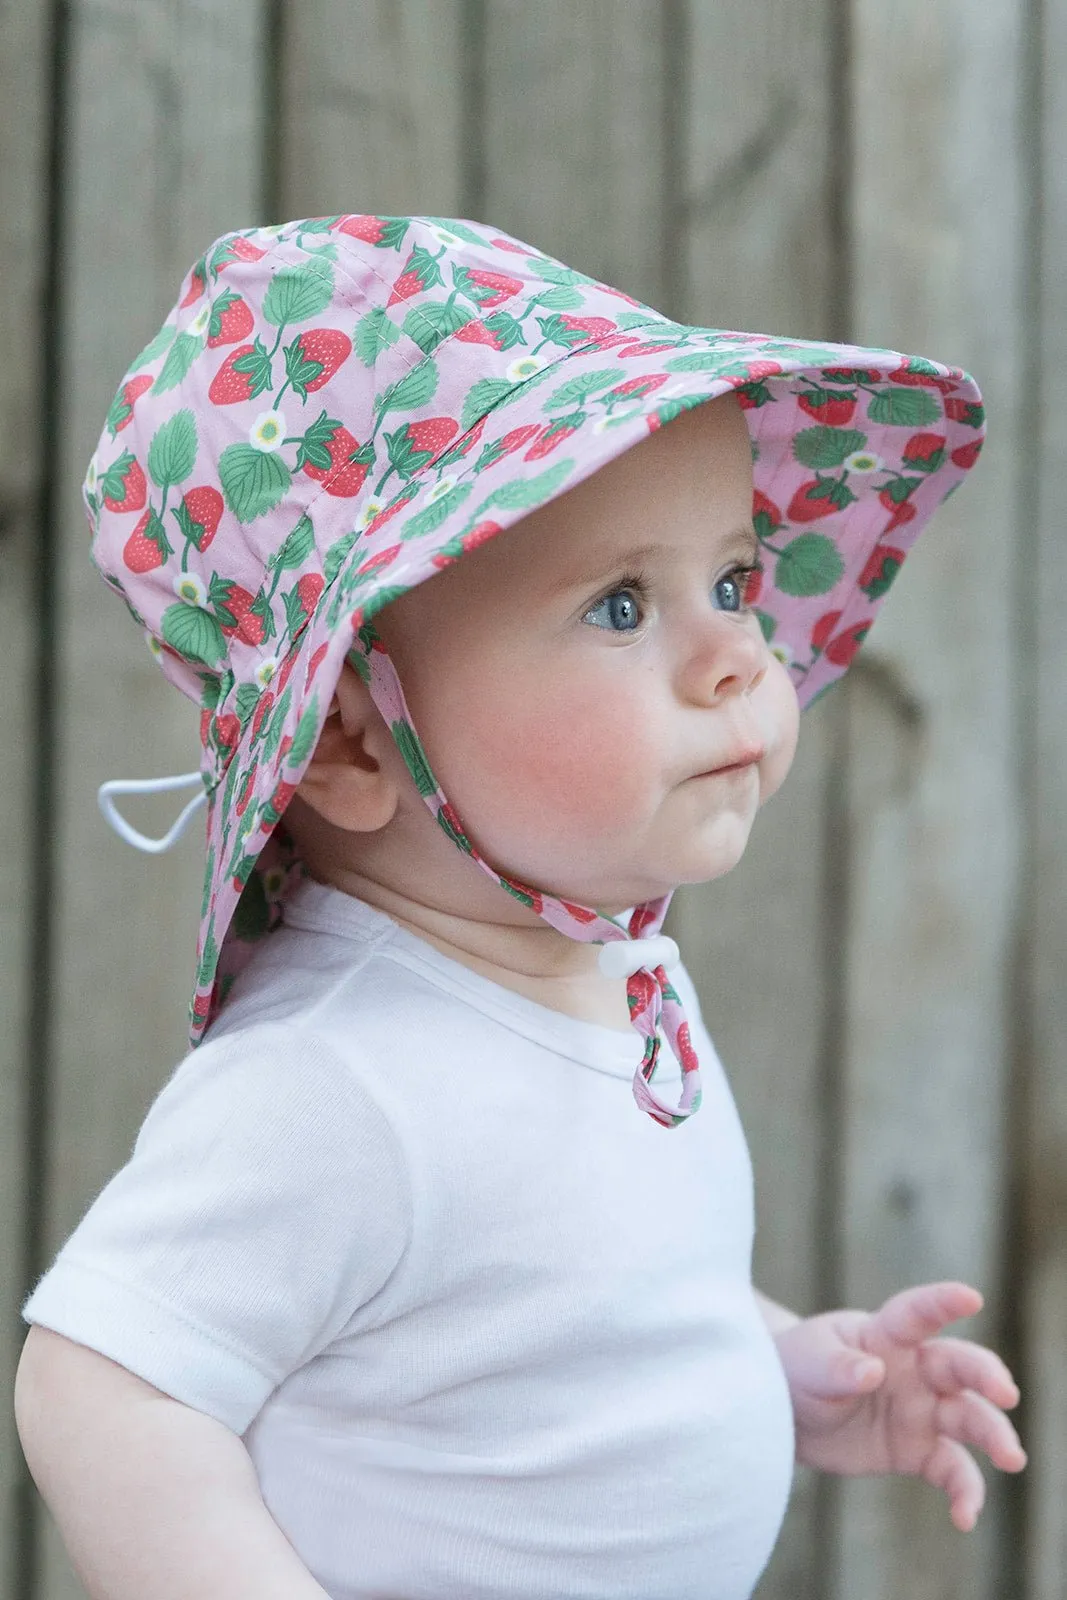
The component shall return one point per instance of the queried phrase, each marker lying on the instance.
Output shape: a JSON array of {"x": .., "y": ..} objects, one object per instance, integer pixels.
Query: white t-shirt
[{"x": 486, "y": 1329}]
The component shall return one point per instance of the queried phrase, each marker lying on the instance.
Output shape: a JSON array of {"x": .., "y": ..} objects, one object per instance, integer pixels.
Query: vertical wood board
[
  {"x": 933, "y": 794},
  {"x": 757, "y": 250}
]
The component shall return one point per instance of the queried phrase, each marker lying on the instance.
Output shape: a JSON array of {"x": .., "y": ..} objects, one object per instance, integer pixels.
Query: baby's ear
[{"x": 347, "y": 782}]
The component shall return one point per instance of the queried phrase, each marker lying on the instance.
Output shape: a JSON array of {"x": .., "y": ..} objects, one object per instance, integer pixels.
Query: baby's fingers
[
  {"x": 949, "y": 1365},
  {"x": 953, "y": 1469},
  {"x": 916, "y": 1314},
  {"x": 969, "y": 1416}
]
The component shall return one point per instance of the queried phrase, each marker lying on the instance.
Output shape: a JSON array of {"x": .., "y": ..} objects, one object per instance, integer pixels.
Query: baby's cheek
[{"x": 563, "y": 764}]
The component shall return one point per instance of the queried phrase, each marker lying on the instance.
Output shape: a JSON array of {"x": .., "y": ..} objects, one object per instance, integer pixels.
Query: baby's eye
[
  {"x": 622, "y": 609},
  {"x": 736, "y": 586}
]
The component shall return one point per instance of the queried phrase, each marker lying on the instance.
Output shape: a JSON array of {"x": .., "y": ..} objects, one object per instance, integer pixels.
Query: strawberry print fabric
[{"x": 338, "y": 407}]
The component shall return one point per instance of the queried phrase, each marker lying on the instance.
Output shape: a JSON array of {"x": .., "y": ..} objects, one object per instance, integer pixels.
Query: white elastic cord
[
  {"x": 621, "y": 958},
  {"x": 155, "y": 847}
]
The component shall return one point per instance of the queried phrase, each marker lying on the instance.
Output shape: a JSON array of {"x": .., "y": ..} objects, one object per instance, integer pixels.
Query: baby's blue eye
[
  {"x": 734, "y": 582},
  {"x": 622, "y": 611}
]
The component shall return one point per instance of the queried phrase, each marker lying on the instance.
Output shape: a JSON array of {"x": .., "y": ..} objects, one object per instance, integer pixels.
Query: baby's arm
[{"x": 154, "y": 1500}]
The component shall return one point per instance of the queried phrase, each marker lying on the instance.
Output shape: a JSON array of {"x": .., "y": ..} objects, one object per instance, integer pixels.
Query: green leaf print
[
  {"x": 459, "y": 229},
  {"x": 183, "y": 352},
  {"x": 297, "y": 293},
  {"x": 374, "y": 333},
  {"x": 529, "y": 491},
  {"x": 428, "y": 325},
  {"x": 277, "y": 723},
  {"x": 768, "y": 625},
  {"x": 414, "y": 758},
  {"x": 247, "y": 700},
  {"x": 699, "y": 361},
  {"x": 578, "y": 390},
  {"x": 822, "y": 447},
  {"x": 253, "y": 481},
  {"x": 483, "y": 397},
  {"x": 172, "y": 453},
  {"x": 904, "y": 408},
  {"x": 555, "y": 271},
  {"x": 297, "y": 546},
  {"x": 335, "y": 555},
  {"x": 193, "y": 633},
  {"x": 436, "y": 512},
  {"x": 306, "y": 730},
  {"x": 561, "y": 299},
  {"x": 415, "y": 388},
  {"x": 155, "y": 347},
  {"x": 810, "y": 564}
]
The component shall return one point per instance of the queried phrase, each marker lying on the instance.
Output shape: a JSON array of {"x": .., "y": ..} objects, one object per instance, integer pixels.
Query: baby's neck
[{"x": 536, "y": 961}]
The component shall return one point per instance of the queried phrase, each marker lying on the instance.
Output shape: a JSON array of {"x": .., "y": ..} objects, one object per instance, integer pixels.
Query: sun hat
[{"x": 338, "y": 407}]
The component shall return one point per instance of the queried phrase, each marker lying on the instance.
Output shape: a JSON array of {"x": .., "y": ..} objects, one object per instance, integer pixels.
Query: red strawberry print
[
  {"x": 276, "y": 805},
  {"x": 509, "y": 244},
  {"x": 370, "y": 229},
  {"x": 229, "y": 386},
  {"x": 121, "y": 414},
  {"x": 823, "y": 629},
  {"x": 148, "y": 546},
  {"x": 511, "y": 441},
  {"x": 390, "y": 511},
  {"x": 321, "y": 348},
  {"x": 593, "y": 327},
  {"x": 830, "y": 409},
  {"x": 196, "y": 285},
  {"x": 883, "y": 564},
  {"x": 686, "y": 1054},
  {"x": 475, "y": 332},
  {"x": 246, "y": 790},
  {"x": 468, "y": 541},
  {"x": 309, "y": 588},
  {"x": 420, "y": 272},
  {"x": 124, "y": 484},
  {"x": 384, "y": 558},
  {"x": 766, "y": 517},
  {"x": 753, "y": 586},
  {"x": 315, "y": 663},
  {"x": 967, "y": 454},
  {"x": 925, "y": 380},
  {"x": 902, "y": 512},
  {"x": 204, "y": 508},
  {"x": 842, "y": 649},
  {"x": 244, "y": 250},
  {"x": 233, "y": 608},
  {"x": 227, "y": 731},
  {"x": 636, "y": 386},
  {"x": 641, "y": 919},
  {"x": 231, "y": 320},
  {"x": 646, "y": 349},
  {"x": 343, "y": 477},
  {"x": 756, "y": 371},
  {"x": 553, "y": 436},
  {"x": 283, "y": 673},
  {"x": 499, "y": 285},
  {"x": 263, "y": 709},
  {"x": 965, "y": 411},
  {"x": 809, "y": 506},
  {"x": 924, "y": 452},
  {"x": 579, "y": 913}
]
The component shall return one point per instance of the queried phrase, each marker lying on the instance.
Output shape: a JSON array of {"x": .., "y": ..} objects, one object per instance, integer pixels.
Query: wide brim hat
[{"x": 337, "y": 408}]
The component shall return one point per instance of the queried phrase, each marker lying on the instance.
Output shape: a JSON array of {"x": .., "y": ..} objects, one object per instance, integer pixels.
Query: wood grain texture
[
  {"x": 757, "y": 245},
  {"x": 372, "y": 115},
  {"x": 1042, "y": 591},
  {"x": 24, "y": 89},
  {"x": 933, "y": 781},
  {"x": 163, "y": 154}
]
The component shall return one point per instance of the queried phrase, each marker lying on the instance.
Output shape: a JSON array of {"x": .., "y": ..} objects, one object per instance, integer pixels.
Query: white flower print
[
  {"x": 863, "y": 461},
  {"x": 198, "y": 326},
  {"x": 266, "y": 671},
  {"x": 188, "y": 587},
  {"x": 525, "y": 367},
  {"x": 267, "y": 432}
]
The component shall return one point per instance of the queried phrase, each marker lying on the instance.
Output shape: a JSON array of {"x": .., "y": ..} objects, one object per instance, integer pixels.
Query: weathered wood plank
[
  {"x": 373, "y": 108},
  {"x": 1043, "y": 597},
  {"x": 24, "y": 88},
  {"x": 758, "y": 253},
  {"x": 150, "y": 179},
  {"x": 932, "y": 774}
]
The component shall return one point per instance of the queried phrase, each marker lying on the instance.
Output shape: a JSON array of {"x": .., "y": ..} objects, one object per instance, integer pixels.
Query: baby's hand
[{"x": 919, "y": 1397}]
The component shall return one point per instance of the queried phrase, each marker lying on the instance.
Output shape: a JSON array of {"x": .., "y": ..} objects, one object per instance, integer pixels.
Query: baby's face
[{"x": 577, "y": 679}]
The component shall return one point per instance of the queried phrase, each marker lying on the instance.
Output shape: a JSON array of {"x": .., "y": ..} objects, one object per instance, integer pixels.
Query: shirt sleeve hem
[{"x": 151, "y": 1340}]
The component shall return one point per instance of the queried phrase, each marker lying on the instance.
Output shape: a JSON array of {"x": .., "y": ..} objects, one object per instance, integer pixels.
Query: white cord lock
[{"x": 623, "y": 957}]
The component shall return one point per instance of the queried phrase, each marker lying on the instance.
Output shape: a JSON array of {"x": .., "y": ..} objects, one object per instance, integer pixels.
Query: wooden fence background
[{"x": 883, "y": 973}]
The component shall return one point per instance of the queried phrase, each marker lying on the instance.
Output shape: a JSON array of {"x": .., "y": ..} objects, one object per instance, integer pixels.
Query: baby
[{"x": 430, "y": 1273}]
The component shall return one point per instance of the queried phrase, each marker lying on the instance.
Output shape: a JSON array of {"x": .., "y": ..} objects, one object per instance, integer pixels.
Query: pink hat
[{"x": 338, "y": 407}]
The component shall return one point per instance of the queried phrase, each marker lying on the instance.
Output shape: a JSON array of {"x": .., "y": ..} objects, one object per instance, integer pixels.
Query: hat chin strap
[{"x": 633, "y": 947}]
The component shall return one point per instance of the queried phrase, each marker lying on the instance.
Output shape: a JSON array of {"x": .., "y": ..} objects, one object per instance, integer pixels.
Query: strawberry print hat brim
[{"x": 338, "y": 407}]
